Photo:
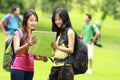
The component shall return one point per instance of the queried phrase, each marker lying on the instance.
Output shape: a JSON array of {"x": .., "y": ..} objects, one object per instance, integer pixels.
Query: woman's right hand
[
  {"x": 54, "y": 45},
  {"x": 32, "y": 41}
]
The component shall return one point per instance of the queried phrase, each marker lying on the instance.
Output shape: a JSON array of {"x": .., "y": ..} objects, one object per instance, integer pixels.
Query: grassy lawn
[{"x": 106, "y": 60}]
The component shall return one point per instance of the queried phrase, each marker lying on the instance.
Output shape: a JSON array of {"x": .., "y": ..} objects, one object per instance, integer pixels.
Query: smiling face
[
  {"x": 58, "y": 21},
  {"x": 32, "y": 22}
]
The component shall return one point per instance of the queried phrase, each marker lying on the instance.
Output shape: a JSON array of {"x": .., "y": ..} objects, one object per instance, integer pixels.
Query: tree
[
  {"x": 50, "y": 5},
  {"x": 111, "y": 7},
  {"x": 86, "y": 5},
  {"x": 7, "y": 5}
]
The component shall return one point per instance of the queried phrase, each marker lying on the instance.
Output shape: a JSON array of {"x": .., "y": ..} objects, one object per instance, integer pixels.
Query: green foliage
[
  {"x": 84, "y": 5},
  {"x": 51, "y": 5},
  {"x": 108, "y": 7},
  {"x": 88, "y": 5},
  {"x": 111, "y": 7},
  {"x": 7, "y": 5}
]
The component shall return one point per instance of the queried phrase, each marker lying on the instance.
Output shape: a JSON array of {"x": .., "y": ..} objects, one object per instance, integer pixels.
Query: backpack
[
  {"x": 9, "y": 54},
  {"x": 79, "y": 58},
  {"x": 5, "y": 23}
]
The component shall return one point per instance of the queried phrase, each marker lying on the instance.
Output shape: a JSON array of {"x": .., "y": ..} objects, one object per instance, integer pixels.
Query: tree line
[{"x": 108, "y": 7}]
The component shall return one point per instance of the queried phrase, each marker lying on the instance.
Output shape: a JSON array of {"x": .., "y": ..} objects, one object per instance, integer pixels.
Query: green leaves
[
  {"x": 111, "y": 7},
  {"x": 51, "y": 5}
]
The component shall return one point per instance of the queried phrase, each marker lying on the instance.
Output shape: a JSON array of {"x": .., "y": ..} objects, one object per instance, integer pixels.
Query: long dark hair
[
  {"x": 66, "y": 21},
  {"x": 26, "y": 15}
]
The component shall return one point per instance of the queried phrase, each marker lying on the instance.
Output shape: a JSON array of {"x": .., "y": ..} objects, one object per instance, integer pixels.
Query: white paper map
[{"x": 43, "y": 45}]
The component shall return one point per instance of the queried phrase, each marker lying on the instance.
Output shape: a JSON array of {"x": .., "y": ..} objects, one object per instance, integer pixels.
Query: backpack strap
[
  {"x": 13, "y": 54},
  {"x": 21, "y": 34},
  {"x": 21, "y": 37},
  {"x": 64, "y": 37},
  {"x": 9, "y": 18},
  {"x": 92, "y": 26},
  {"x": 18, "y": 18},
  {"x": 51, "y": 59}
]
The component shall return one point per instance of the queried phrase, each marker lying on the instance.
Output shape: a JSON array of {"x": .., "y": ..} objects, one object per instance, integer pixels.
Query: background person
[
  {"x": 11, "y": 22},
  {"x": 88, "y": 36}
]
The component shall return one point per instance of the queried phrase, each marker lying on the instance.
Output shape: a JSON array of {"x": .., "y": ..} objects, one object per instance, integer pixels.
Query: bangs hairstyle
[
  {"x": 64, "y": 16},
  {"x": 26, "y": 15}
]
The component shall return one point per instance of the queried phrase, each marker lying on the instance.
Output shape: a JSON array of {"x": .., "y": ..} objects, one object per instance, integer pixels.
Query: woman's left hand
[{"x": 42, "y": 58}]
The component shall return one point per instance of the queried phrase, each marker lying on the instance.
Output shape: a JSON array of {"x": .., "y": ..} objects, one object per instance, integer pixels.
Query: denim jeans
[{"x": 21, "y": 74}]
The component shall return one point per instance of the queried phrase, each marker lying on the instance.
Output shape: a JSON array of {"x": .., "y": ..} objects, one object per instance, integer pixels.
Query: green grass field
[{"x": 106, "y": 60}]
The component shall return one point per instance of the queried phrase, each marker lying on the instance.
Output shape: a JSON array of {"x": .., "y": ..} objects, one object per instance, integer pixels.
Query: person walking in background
[
  {"x": 11, "y": 22},
  {"x": 89, "y": 34},
  {"x": 60, "y": 23},
  {"x": 22, "y": 67}
]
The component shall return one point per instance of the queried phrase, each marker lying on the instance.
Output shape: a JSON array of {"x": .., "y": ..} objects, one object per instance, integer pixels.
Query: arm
[
  {"x": 97, "y": 33},
  {"x": 53, "y": 53},
  {"x": 16, "y": 44},
  {"x": 71, "y": 42},
  {"x": 6, "y": 33}
]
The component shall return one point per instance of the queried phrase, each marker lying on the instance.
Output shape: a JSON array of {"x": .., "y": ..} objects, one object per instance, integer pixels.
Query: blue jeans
[{"x": 21, "y": 74}]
